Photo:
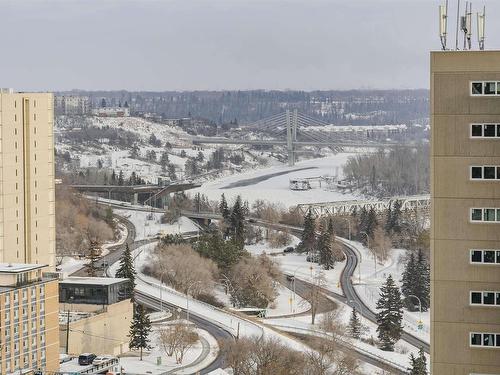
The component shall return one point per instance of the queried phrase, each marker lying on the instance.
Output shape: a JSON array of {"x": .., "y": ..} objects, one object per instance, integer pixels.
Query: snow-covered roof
[
  {"x": 19, "y": 267},
  {"x": 92, "y": 280}
]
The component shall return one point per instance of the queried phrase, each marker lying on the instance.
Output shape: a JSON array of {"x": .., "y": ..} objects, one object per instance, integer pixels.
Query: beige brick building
[
  {"x": 29, "y": 319},
  {"x": 465, "y": 233},
  {"x": 27, "y": 203}
]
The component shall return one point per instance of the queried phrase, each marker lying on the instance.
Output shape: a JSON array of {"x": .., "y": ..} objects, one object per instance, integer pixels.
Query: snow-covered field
[
  {"x": 276, "y": 189},
  {"x": 148, "y": 224}
]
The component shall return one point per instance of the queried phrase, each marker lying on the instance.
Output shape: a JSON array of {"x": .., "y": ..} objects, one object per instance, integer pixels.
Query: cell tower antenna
[
  {"x": 481, "y": 18},
  {"x": 466, "y": 25},
  {"x": 458, "y": 25},
  {"x": 443, "y": 24}
]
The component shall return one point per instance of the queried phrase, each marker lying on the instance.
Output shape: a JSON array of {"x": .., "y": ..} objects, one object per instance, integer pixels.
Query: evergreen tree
[
  {"x": 308, "y": 240},
  {"x": 418, "y": 364},
  {"x": 171, "y": 172},
  {"x": 363, "y": 223},
  {"x": 396, "y": 216},
  {"x": 120, "y": 178},
  {"x": 371, "y": 222},
  {"x": 140, "y": 328},
  {"x": 388, "y": 220},
  {"x": 354, "y": 329},
  {"x": 416, "y": 281},
  {"x": 325, "y": 240},
  {"x": 113, "y": 178},
  {"x": 223, "y": 209},
  {"x": 93, "y": 257},
  {"x": 237, "y": 223},
  {"x": 390, "y": 315},
  {"x": 423, "y": 287},
  {"x": 126, "y": 270},
  {"x": 408, "y": 280}
]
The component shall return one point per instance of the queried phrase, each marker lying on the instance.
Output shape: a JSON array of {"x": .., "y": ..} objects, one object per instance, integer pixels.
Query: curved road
[
  {"x": 217, "y": 332},
  {"x": 352, "y": 295}
]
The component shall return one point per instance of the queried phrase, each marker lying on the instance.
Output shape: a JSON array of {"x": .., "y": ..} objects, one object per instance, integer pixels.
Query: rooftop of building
[
  {"x": 77, "y": 280},
  {"x": 19, "y": 267}
]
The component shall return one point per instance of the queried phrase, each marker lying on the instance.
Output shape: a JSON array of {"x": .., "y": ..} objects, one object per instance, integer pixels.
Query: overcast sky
[{"x": 223, "y": 44}]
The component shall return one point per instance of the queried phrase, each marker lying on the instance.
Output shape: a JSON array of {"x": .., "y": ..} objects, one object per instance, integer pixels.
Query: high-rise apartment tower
[
  {"x": 27, "y": 206},
  {"x": 465, "y": 233}
]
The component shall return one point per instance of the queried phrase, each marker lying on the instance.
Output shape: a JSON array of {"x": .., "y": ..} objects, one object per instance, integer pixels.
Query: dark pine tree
[
  {"x": 354, "y": 328},
  {"x": 371, "y": 222},
  {"x": 408, "y": 280},
  {"x": 423, "y": 287},
  {"x": 237, "y": 223},
  {"x": 126, "y": 270},
  {"x": 390, "y": 315},
  {"x": 388, "y": 220},
  {"x": 140, "y": 328},
  {"x": 308, "y": 240},
  {"x": 223, "y": 208},
  {"x": 324, "y": 245},
  {"x": 418, "y": 364}
]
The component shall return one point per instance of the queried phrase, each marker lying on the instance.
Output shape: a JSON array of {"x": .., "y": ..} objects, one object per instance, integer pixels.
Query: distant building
[
  {"x": 72, "y": 105},
  {"x": 99, "y": 315},
  {"x": 27, "y": 191},
  {"x": 111, "y": 112},
  {"x": 30, "y": 331}
]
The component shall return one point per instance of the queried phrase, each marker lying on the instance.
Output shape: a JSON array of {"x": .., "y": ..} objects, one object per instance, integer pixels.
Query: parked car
[
  {"x": 289, "y": 277},
  {"x": 289, "y": 249},
  {"x": 102, "y": 359},
  {"x": 86, "y": 359}
]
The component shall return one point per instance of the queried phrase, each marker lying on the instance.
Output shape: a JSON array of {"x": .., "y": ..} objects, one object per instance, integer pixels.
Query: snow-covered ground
[
  {"x": 276, "y": 189},
  {"x": 296, "y": 264},
  {"x": 371, "y": 281},
  {"x": 148, "y": 224},
  {"x": 149, "y": 364}
]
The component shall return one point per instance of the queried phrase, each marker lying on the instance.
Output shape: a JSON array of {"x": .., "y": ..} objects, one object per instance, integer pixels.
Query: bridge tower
[{"x": 291, "y": 135}]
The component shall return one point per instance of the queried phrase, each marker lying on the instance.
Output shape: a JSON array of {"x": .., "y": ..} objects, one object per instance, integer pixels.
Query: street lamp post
[
  {"x": 67, "y": 325},
  {"x": 419, "y": 308}
]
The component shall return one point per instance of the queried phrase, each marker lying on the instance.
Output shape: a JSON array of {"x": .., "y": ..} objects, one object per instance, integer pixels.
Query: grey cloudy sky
[{"x": 222, "y": 44}]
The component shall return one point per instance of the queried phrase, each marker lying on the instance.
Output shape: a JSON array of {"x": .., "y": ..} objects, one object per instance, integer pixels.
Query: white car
[{"x": 101, "y": 359}]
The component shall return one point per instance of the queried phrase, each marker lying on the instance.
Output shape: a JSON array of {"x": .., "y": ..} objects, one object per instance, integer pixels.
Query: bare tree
[
  {"x": 182, "y": 268},
  {"x": 177, "y": 339},
  {"x": 252, "y": 281},
  {"x": 314, "y": 293}
]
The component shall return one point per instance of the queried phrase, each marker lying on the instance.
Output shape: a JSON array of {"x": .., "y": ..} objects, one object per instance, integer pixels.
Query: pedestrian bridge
[{"x": 420, "y": 203}]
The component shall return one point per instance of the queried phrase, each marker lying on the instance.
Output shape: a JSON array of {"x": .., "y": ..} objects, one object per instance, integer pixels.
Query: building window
[
  {"x": 485, "y": 131},
  {"x": 485, "y": 339},
  {"x": 485, "y": 298},
  {"x": 485, "y": 215},
  {"x": 487, "y": 172},
  {"x": 485, "y": 256},
  {"x": 485, "y": 88}
]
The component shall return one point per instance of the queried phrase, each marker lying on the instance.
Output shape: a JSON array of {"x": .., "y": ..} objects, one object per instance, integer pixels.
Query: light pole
[
  {"x": 368, "y": 245},
  {"x": 67, "y": 325},
  {"x": 419, "y": 307},
  {"x": 161, "y": 289}
]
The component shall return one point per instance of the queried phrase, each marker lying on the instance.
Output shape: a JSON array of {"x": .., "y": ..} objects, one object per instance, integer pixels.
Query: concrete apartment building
[
  {"x": 27, "y": 202},
  {"x": 465, "y": 233},
  {"x": 29, "y": 310},
  {"x": 72, "y": 105}
]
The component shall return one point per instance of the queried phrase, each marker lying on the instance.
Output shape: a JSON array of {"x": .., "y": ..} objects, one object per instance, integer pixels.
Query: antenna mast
[
  {"x": 443, "y": 24},
  {"x": 458, "y": 25},
  {"x": 480, "y": 28},
  {"x": 466, "y": 25}
]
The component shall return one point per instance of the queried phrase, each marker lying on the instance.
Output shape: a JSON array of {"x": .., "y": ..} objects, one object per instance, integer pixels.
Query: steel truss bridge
[
  {"x": 420, "y": 203},
  {"x": 292, "y": 130}
]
